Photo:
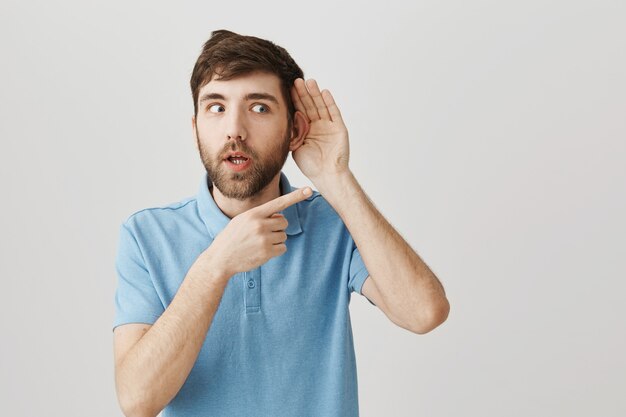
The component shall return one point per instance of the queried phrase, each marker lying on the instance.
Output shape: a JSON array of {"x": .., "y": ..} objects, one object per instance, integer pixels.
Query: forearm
[
  {"x": 410, "y": 289},
  {"x": 156, "y": 367}
]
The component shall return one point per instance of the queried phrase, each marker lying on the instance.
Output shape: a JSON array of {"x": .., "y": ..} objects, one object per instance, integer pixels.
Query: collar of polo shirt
[{"x": 215, "y": 220}]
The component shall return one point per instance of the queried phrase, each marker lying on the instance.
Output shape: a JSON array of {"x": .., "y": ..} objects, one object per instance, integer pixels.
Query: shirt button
[{"x": 251, "y": 284}]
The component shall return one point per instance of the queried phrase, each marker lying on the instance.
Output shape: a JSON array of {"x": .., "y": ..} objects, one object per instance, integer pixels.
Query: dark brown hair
[{"x": 227, "y": 55}]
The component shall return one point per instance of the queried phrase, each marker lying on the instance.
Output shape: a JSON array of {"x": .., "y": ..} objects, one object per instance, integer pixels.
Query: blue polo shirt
[{"x": 280, "y": 343}]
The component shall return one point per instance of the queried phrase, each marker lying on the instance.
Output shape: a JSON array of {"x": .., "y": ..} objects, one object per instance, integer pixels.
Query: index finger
[{"x": 284, "y": 201}]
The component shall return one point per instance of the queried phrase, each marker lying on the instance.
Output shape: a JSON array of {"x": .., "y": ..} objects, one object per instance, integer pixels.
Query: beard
[{"x": 245, "y": 184}]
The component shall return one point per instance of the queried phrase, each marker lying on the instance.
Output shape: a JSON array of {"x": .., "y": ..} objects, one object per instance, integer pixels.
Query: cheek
[
  {"x": 206, "y": 151},
  {"x": 205, "y": 125},
  {"x": 206, "y": 134},
  {"x": 273, "y": 130}
]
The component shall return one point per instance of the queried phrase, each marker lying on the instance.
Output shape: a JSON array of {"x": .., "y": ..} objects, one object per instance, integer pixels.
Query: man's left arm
[{"x": 403, "y": 286}]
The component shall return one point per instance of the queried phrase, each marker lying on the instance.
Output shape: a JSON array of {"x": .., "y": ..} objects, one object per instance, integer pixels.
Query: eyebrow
[{"x": 250, "y": 96}]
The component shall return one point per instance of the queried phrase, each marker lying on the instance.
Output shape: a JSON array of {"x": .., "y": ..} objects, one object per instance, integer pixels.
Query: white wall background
[{"x": 491, "y": 134}]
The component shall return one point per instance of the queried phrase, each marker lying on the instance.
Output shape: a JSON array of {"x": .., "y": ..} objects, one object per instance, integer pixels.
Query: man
[{"x": 234, "y": 302}]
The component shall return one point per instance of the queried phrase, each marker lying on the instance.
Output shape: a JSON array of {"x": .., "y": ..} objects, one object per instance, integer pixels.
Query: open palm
[{"x": 325, "y": 151}]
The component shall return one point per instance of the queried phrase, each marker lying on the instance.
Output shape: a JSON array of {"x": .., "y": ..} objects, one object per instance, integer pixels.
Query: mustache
[{"x": 232, "y": 147}]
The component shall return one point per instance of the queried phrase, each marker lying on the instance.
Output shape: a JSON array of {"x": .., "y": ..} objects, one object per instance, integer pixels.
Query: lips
[
  {"x": 236, "y": 154},
  {"x": 237, "y": 164}
]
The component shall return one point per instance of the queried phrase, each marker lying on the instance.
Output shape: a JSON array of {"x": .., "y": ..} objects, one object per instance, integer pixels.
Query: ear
[
  {"x": 299, "y": 130},
  {"x": 195, "y": 134}
]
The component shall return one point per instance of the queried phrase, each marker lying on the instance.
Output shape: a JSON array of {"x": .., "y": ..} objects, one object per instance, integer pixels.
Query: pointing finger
[{"x": 284, "y": 201}]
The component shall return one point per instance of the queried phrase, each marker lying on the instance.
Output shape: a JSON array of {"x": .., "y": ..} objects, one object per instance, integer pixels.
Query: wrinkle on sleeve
[
  {"x": 136, "y": 299},
  {"x": 358, "y": 272}
]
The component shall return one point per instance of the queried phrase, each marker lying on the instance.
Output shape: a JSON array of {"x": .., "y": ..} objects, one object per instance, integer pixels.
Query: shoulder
[
  {"x": 319, "y": 214},
  {"x": 161, "y": 215},
  {"x": 316, "y": 205}
]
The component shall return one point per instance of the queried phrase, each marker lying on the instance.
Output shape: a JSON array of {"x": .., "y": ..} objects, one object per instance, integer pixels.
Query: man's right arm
[
  {"x": 150, "y": 369},
  {"x": 150, "y": 373}
]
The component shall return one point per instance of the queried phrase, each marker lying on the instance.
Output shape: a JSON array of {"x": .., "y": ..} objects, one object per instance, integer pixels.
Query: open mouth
[{"x": 237, "y": 160}]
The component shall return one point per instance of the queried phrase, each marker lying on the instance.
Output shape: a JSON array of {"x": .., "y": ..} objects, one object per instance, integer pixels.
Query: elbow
[
  {"x": 432, "y": 317},
  {"x": 133, "y": 405},
  {"x": 136, "y": 410}
]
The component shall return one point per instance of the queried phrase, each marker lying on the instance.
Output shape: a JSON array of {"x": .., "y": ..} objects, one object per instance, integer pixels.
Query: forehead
[{"x": 242, "y": 85}]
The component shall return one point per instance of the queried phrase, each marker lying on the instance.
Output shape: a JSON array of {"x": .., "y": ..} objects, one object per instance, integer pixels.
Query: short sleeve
[
  {"x": 136, "y": 299},
  {"x": 358, "y": 272}
]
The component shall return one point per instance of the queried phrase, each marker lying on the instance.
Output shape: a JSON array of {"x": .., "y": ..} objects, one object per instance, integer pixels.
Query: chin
[{"x": 236, "y": 189}]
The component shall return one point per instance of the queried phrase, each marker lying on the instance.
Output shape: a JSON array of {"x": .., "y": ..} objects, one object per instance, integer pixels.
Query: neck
[{"x": 232, "y": 207}]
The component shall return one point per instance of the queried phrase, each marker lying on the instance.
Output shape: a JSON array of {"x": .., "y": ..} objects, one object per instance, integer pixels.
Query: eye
[
  {"x": 213, "y": 106},
  {"x": 263, "y": 108}
]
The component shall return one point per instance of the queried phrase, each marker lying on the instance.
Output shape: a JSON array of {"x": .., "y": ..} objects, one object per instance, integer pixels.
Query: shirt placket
[{"x": 252, "y": 290}]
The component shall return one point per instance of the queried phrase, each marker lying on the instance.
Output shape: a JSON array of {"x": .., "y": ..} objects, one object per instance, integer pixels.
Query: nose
[{"x": 235, "y": 126}]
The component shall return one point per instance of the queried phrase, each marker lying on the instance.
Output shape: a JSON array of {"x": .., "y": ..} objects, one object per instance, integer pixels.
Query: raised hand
[{"x": 325, "y": 151}]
